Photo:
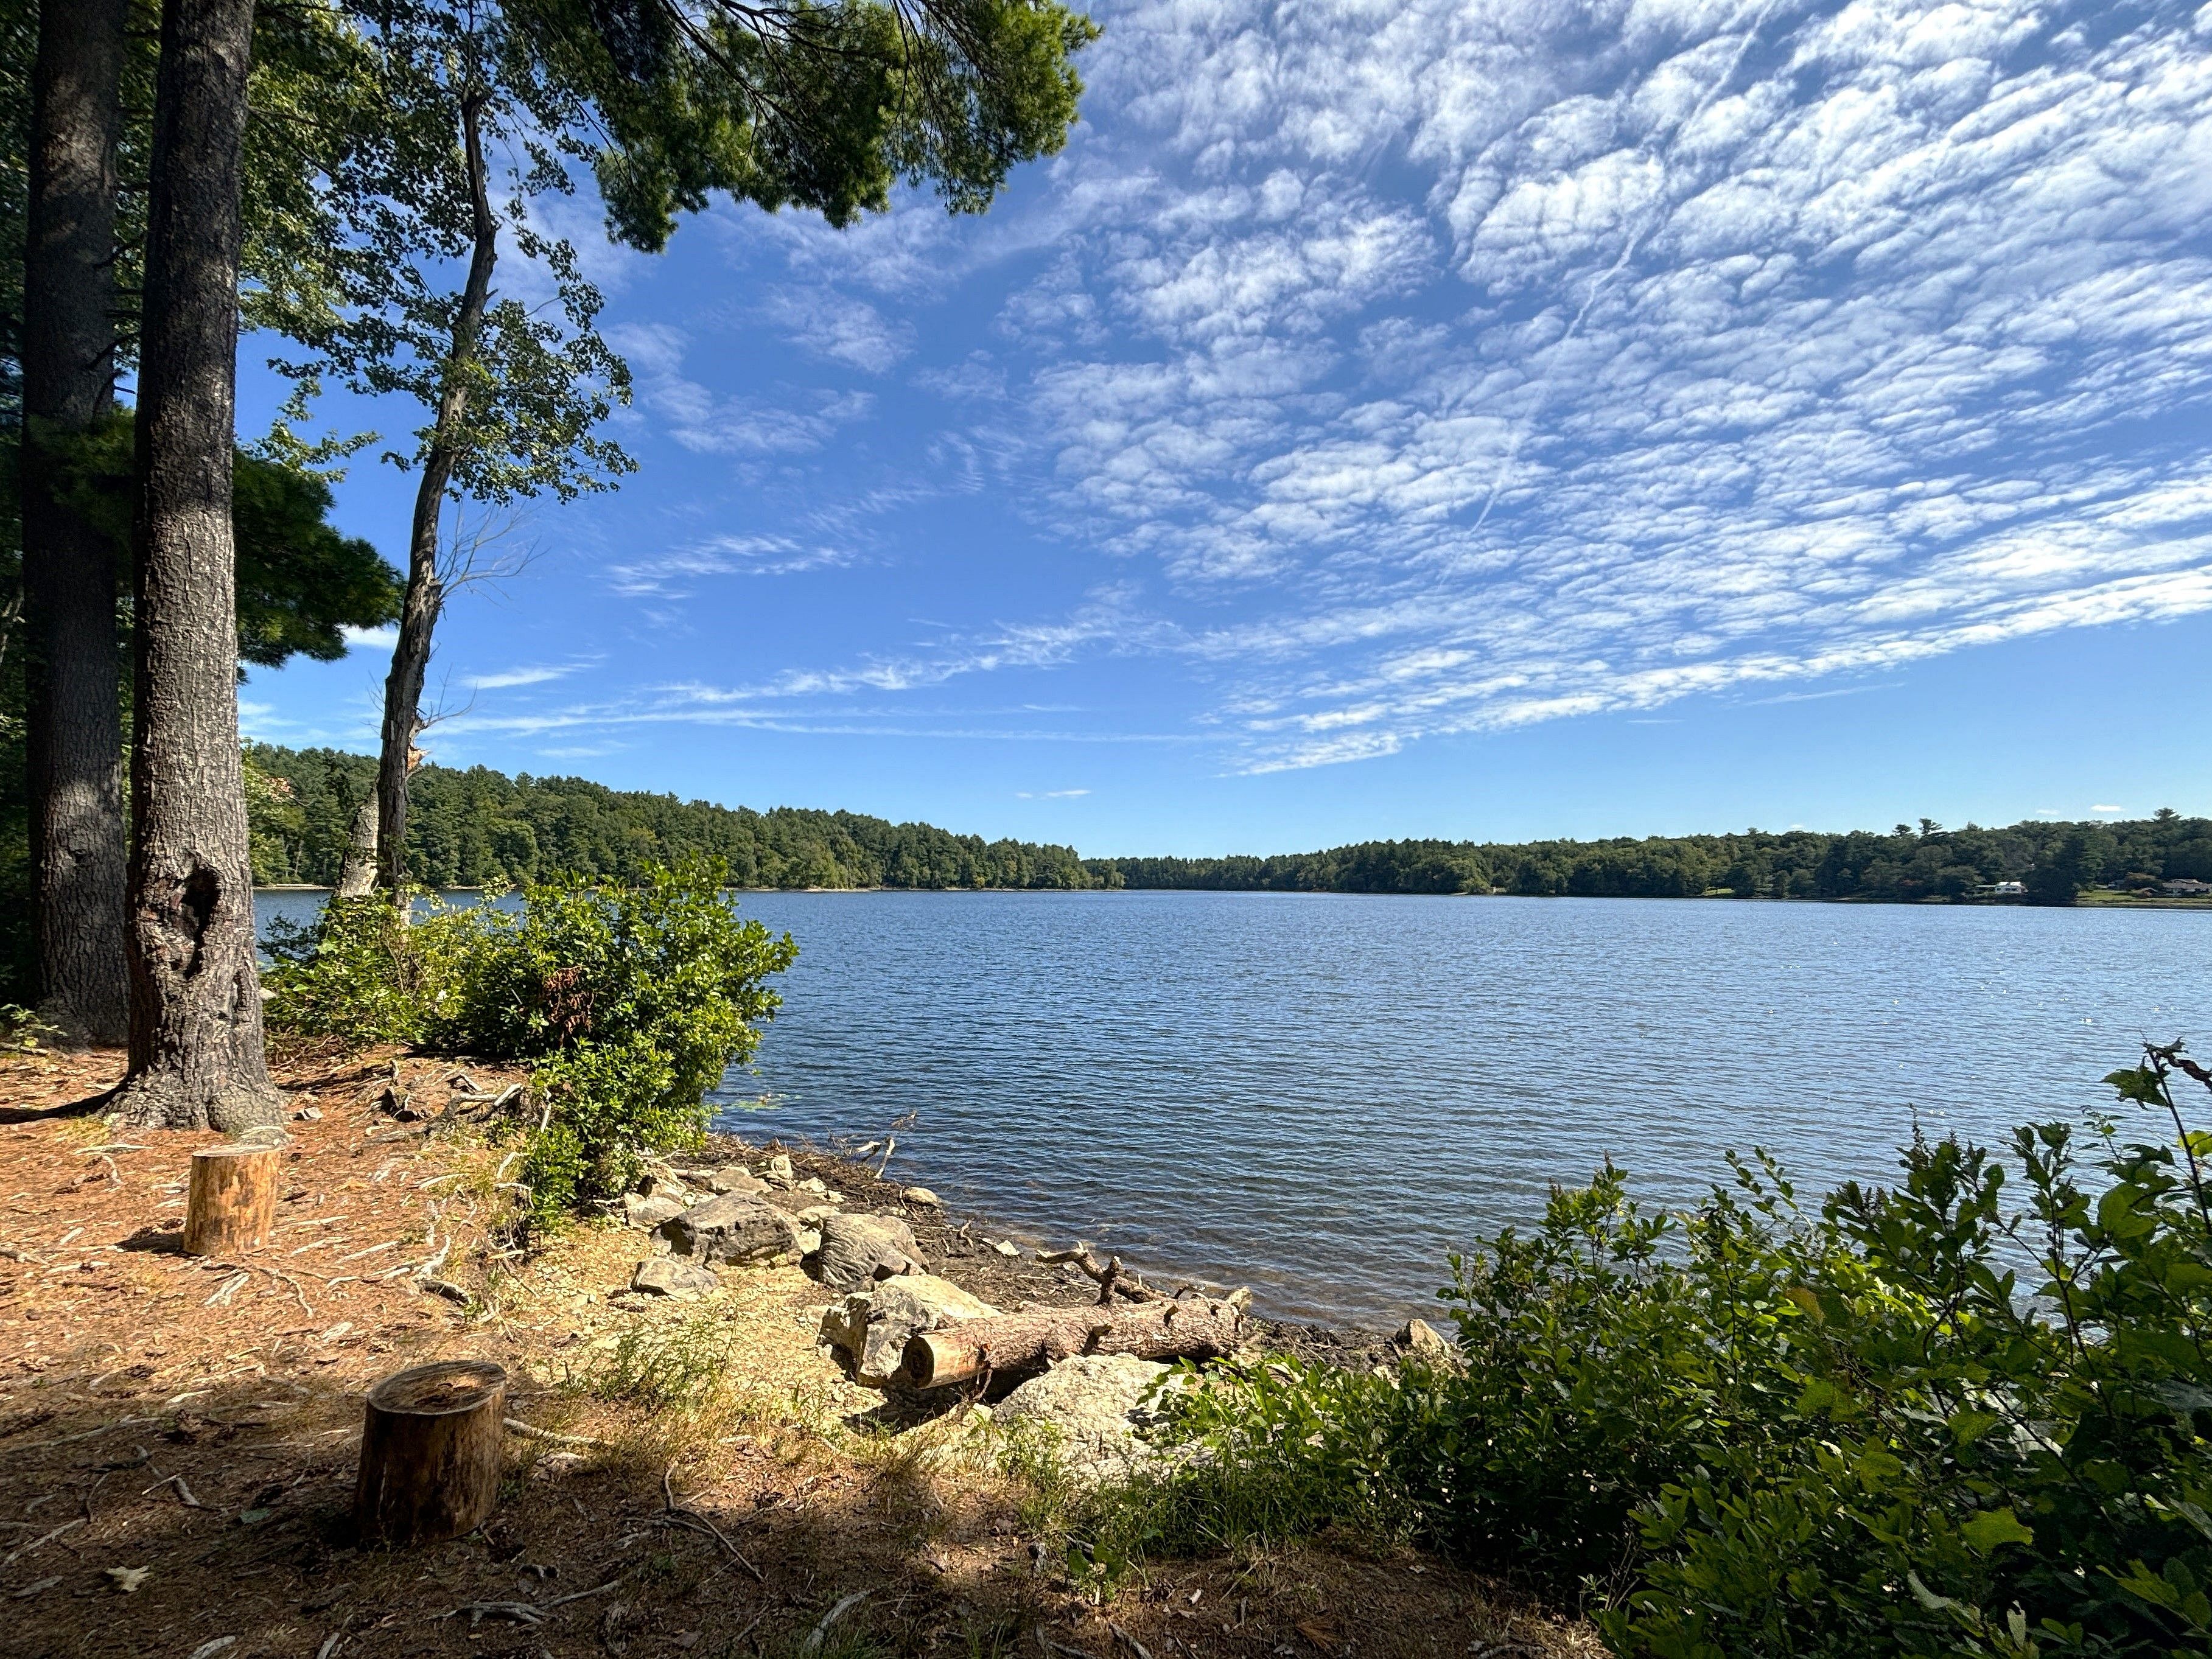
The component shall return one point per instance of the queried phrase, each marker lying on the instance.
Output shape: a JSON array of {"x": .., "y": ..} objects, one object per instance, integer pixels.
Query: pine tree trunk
[
  {"x": 196, "y": 1058},
  {"x": 74, "y": 734},
  {"x": 426, "y": 594}
]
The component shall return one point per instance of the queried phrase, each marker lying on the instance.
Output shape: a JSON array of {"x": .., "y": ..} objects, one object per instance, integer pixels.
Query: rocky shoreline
[{"x": 1062, "y": 1338}]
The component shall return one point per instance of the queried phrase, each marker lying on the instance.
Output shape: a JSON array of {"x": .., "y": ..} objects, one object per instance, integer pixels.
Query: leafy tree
[{"x": 818, "y": 106}]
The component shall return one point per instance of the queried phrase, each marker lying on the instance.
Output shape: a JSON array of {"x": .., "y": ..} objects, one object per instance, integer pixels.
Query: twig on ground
[
  {"x": 184, "y": 1492},
  {"x": 41, "y": 1541},
  {"x": 675, "y": 1515},
  {"x": 531, "y": 1431},
  {"x": 813, "y": 1641}
]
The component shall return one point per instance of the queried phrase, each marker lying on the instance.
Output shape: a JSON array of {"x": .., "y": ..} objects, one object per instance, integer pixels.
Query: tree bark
[
  {"x": 426, "y": 593},
  {"x": 75, "y": 732},
  {"x": 357, "y": 872},
  {"x": 1023, "y": 1343},
  {"x": 430, "y": 1452},
  {"x": 195, "y": 1057},
  {"x": 232, "y": 1202}
]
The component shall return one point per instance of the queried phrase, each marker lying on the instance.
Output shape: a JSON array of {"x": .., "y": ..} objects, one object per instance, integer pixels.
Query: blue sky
[{"x": 1490, "y": 418}]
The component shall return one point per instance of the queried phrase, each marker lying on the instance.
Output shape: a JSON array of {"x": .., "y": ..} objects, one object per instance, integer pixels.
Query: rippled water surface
[{"x": 1322, "y": 1095}]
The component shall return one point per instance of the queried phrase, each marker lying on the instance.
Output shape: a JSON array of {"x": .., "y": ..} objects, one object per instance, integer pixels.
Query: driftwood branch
[{"x": 1030, "y": 1340}]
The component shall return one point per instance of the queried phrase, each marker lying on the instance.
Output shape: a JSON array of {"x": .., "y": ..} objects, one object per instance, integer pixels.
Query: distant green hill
[
  {"x": 2052, "y": 861},
  {"x": 479, "y": 827}
]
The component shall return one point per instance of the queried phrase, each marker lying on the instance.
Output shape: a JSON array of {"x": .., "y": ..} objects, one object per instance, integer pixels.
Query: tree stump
[
  {"x": 232, "y": 1199},
  {"x": 430, "y": 1452}
]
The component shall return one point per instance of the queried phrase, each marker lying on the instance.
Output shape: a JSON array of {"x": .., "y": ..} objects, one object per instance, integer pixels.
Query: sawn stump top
[{"x": 451, "y": 1385}]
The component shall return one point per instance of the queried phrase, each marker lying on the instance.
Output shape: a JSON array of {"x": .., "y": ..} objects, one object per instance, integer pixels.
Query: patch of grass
[{"x": 662, "y": 1367}]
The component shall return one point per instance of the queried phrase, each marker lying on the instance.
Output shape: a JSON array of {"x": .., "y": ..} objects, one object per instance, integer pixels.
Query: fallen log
[{"x": 1023, "y": 1343}]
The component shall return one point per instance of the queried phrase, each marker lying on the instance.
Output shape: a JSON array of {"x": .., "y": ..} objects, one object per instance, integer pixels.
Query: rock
[
  {"x": 778, "y": 1171},
  {"x": 922, "y": 1196},
  {"x": 730, "y": 1228},
  {"x": 814, "y": 1184},
  {"x": 810, "y": 1239},
  {"x": 638, "y": 1211},
  {"x": 736, "y": 1178},
  {"x": 309, "y": 1115},
  {"x": 1418, "y": 1337},
  {"x": 661, "y": 1185},
  {"x": 873, "y": 1325},
  {"x": 1005, "y": 1247},
  {"x": 559, "y": 1466},
  {"x": 857, "y": 1249},
  {"x": 664, "y": 1275},
  {"x": 1095, "y": 1405}
]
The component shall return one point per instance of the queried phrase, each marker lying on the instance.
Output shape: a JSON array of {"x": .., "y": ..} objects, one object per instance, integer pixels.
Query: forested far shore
[
  {"x": 479, "y": 828},
  {"x": 2051, "y": 862}
]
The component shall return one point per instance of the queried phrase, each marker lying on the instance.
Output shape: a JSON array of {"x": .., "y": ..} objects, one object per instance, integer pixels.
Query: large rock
[
  {"x": 874, "y": 1325},
  {"x": 730, "y": 1228},
  {"x": 736, "y": 1178},
  {"x": 858, "y": 1248},
  {"x": 1094, "y": 1406},
  {"x": 1419, "y": 1338},
  {"x": 640, "y": 1211},
  {"x": 664, "y": 1275}
]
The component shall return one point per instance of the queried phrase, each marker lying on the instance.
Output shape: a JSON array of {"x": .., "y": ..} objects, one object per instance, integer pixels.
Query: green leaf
[{"x": 1991, "y": 1527}]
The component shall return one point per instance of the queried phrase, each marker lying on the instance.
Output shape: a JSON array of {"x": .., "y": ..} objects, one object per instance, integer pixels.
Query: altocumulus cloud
[{"x": 1439, "y": 367}]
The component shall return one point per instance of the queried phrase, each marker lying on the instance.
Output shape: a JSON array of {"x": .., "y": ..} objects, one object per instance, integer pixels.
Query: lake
[{"x": 1321, "y": 1095}]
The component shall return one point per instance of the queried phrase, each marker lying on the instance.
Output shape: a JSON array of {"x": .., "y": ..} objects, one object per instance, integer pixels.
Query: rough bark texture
[
  {"x": 426, "y": 593},
  {"x": 74, "y": 734},
  {"x": 430, "y": 1452},
  {"x": 1023, "y": 1343},
  {"x": 232, "y": 1200},
  {"x": 195, "y": 1058},
  {"x": 357, "y": 872}
]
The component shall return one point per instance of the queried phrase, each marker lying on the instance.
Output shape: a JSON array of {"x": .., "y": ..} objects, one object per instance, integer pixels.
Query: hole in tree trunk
[{"x": 202, "y": 889}]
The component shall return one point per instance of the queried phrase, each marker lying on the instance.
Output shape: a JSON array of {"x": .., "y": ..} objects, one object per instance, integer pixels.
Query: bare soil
[{"x": 178, "y": 1436}]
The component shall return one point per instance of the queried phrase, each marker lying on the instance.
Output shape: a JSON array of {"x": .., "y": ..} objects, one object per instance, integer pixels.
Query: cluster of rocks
[{"x": 886, "y": 1295}]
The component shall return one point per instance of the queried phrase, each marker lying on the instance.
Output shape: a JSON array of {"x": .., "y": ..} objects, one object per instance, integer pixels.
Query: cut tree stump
[
  {"x": 232, "y": 1199},
  {"x": 430, "y": 1452},
  {"x": 1023, "y": 1343}
]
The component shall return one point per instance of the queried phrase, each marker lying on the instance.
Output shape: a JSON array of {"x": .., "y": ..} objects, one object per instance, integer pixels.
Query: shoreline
[{"x": 2087, "y": 902}]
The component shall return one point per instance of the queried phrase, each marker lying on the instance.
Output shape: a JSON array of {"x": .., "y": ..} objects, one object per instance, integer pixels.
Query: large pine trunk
[
  {"x": 196, "y": 1058},
  {"x": 75, "y": 733},
  {"x": 426, "y": 593}
]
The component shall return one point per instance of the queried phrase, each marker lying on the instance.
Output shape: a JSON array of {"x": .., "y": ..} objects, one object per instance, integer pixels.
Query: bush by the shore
[
  {"x": 631, "y": 1000},
  {"x": 1919, "y": 1421}
]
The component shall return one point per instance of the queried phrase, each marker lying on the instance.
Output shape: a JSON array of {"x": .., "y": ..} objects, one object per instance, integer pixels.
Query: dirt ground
[{"x": 178, "y": 1436}]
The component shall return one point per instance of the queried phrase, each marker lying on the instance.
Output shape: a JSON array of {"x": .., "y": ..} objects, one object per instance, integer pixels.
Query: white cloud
[
  {"x": 535, "y": 674},
  {"x": 370, "y": 639}
]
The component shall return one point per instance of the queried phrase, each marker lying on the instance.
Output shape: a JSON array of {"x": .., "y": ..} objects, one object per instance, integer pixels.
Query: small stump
[
  {"x": 430, "y": 1452},
  {"x": 232, "y": 1199}
]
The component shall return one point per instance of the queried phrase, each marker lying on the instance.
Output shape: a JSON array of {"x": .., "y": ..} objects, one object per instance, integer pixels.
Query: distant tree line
[
  {"x": 2053, "y": 861},
  {"x": 479, "y": 828}
]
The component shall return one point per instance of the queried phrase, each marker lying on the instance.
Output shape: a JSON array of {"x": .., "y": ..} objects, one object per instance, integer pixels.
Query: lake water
[{"x": 1320, "y": 1096}]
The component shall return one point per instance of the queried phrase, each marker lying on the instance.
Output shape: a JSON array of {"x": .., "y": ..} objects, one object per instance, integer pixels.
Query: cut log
[
  {"x": 232, "y": 1200},
  {"x": 1024, "y": 1343},
  {"x": 430, "y": 1452}
]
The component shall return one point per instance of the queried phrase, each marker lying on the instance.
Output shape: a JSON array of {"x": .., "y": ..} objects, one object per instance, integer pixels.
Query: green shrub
[
  {"x": 631, "y": 1001},
  {"x": 1917, "y": 1422}
]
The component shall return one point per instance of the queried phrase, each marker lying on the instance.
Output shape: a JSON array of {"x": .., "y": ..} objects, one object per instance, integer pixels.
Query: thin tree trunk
[
  {"x": 196, "y": 1058},
  {"x": 426, "y": 593},
  {"x": 75, "y": 735},
  {"x": 357, "y": 870}
]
